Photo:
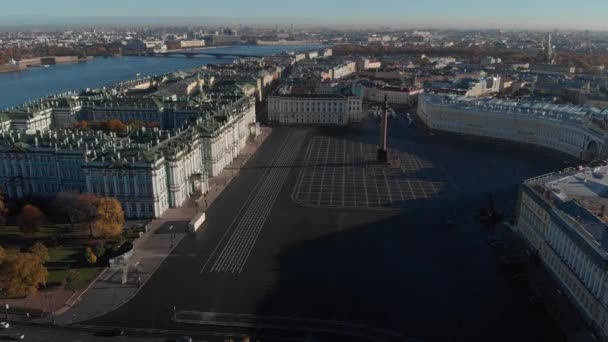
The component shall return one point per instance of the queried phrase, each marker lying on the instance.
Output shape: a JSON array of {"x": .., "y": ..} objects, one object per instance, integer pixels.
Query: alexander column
[{"x": 383, "y": 146}]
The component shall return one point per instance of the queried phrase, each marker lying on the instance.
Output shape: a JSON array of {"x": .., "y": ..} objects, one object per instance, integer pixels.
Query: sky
[{"x": 507, "y": 14}]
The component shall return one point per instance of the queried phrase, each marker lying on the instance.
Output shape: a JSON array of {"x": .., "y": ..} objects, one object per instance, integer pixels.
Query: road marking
[
  {"x": 236, "y": 252},
  {"x": 253, "y": 191}
]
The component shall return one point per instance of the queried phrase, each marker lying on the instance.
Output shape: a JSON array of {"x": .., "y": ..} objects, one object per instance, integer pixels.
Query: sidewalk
[{"x": 115, "y": 286}]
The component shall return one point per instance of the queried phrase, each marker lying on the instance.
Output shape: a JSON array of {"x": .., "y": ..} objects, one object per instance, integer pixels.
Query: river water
[{"x": 19, "y": 87}]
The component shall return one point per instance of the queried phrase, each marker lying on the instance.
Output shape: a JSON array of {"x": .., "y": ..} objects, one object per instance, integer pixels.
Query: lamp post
[
  {"x": 138, "y": 274},
  {"x": 49, "y": 297},
  {"x": 6, "y": 307},
  {"x": 171, "y": 231}
]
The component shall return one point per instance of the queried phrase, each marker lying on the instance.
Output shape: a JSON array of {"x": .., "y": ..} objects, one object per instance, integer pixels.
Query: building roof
[
  {"x": 314, "y": 96},
  {"x": 580, "y": 196},
  {"x": 567, "y": 113}
]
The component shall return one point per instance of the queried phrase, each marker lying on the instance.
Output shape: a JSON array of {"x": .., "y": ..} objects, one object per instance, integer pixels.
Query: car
[
  {"x": 4, "y": 325},
  {"x": 111, "y": 332},
  {"x": 17, "y": 337},
  {"x": 184, "y": 339}
]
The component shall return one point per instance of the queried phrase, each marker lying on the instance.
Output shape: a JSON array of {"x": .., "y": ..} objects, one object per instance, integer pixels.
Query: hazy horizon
[{"x": 440, "y": 14}]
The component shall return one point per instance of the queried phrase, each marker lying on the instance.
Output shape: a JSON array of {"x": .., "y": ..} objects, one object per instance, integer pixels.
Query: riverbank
[
  {"x": 41, "y": 62},
  {"x": 19, "y": 87}
]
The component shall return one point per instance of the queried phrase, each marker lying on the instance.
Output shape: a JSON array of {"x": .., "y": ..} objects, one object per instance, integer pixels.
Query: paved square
[{"x": 339, "y": 173}]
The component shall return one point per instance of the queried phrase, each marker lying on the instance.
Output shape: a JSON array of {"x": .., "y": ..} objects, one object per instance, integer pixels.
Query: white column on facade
[
  {"x": 587, "y": 269},
  {"x": 596, "y": 280}
]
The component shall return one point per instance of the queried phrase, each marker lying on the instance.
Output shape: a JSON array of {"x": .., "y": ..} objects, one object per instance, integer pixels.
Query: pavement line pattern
[
  {"x": 234, "y": 256},
  {"x": 340, "y": 173}
]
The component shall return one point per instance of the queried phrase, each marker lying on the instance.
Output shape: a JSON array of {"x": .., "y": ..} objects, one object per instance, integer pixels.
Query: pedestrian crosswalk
[{"x": 235, "y": 253}]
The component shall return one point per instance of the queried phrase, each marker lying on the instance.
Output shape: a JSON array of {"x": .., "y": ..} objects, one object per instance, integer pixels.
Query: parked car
[
  {"x": 184, "y": 339},
  {"x": 4, "y": 325}
]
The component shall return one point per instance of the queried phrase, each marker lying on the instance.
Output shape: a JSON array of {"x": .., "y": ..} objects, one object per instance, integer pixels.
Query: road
[
  {"x": 375, "y": 272},
  {"x": 47, "y": 333}
]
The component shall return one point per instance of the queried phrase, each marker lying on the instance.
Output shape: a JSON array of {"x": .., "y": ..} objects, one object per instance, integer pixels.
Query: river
[{"x": 19, "y": 87}]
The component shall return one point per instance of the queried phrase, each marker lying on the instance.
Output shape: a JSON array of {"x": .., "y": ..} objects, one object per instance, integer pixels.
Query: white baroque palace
[
  {"x": 577, "y": 131},
  {"x": 147, "y": 170}
]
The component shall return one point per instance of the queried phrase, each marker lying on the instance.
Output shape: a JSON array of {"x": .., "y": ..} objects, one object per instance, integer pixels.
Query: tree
[
  {"x": 90, "y": 256},
  {"x": 2, "y": 255},
  {"x": 116, "y": 125},
  {"x": 67, "y": 203},
  {"x": 40, "y": 250},
  {"x": 99, "y": 249},
  {"x": 3, "y": 211},
  {"x": 30, "y": 219},
  {"x": 87, "y": 204},
  {"x": 109, "y": 218},
  {"x": 77, "y": 207},
  {"x": 136, "y": 124},
  {"x": 82, "y": 124},
  {"x": 22, "y": 273}
]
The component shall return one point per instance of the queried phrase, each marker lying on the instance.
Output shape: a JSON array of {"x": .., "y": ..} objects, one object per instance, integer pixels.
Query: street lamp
[
  {"x": 49, "y": 300},
  {"x": 171, "y": 231},
  {"x": 138, "y": 274}
]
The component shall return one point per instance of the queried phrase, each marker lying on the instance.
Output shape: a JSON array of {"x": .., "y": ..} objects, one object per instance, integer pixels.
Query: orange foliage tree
[
  {"x": 116, "y": 125},
  {"x": 30, "y": 219},
  {"x": 22, "y": 273},
  {"x": 109, "y": 218},
  {"x": 84, "y": 124}
]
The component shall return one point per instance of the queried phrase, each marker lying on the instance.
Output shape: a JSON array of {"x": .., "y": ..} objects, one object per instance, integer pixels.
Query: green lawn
[
  {"x": 13, "y": 233},
  {"x": 83, "y": 277},
  {"x": 64, "y": 266}
]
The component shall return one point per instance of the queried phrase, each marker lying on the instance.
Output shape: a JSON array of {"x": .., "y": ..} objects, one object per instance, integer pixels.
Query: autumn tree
[
  {"x": 22, "y": 273},
  {"x": 3, "y": 211},
  {"x": 109, "y": 218},
  {"x": 116, "y": 125},
  {"x": 136, "y": 124},
  {"x": 40, "y": 250},
  {"x": 30, "y": 219},
  {"x": 82, "y": 124},
  {"x": 78, "y": 207},
  {"x": 90, "y": 256}
]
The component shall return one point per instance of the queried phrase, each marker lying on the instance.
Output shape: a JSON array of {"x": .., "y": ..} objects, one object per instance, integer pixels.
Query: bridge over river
[{"x": 192, "y": 53}]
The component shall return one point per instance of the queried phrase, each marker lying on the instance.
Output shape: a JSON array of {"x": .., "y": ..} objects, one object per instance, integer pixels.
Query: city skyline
[{"x": 517, "y": 14}]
